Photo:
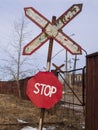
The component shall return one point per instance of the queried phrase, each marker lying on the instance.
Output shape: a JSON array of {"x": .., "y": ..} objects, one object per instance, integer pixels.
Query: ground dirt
[{"x": 13, "y": 109}]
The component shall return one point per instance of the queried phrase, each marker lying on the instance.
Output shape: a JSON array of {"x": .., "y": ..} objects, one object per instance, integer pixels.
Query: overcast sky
[{"x": 84, "y": 26}]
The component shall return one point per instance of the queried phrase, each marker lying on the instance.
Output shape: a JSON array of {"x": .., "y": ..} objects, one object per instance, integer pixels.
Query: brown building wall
[{"x": 92, "y": 92}]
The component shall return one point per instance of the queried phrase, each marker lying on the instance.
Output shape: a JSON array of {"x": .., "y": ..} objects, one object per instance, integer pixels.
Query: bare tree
[{"x": 15, "y": 61}]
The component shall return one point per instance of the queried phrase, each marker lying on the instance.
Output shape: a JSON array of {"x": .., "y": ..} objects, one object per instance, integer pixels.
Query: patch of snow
[
  {"x": 21, "y": 121},
  {"x": 30, "y": 128},
  {"x": 50, "y": 128}
]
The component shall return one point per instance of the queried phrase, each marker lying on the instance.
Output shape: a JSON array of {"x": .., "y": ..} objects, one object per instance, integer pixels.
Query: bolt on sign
[
  {"x": 44, "y": 90},
  {"x": 53, "y": 30}
]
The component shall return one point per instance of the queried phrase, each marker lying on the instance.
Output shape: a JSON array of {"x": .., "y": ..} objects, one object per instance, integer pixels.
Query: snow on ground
[{"x": 30, "y": 128}]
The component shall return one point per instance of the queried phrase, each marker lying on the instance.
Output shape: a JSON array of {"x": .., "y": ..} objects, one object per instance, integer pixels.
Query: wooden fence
[{"x": 10, "y": 87}]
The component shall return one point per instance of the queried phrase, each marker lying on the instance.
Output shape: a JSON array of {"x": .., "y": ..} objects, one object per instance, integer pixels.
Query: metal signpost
[{"x": 52, "y": 31}]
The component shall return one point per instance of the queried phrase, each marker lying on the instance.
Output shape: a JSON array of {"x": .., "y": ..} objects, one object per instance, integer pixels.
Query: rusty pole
[
  {"x": 50, "y": 49},
  {"x": 47, "y": 69}
]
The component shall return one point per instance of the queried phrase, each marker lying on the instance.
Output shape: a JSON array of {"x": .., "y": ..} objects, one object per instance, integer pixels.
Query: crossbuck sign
[{"x": 53, "y": 30}]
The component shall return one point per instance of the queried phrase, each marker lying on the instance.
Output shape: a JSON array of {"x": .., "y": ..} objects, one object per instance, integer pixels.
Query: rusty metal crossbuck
[{"x": 53, "y": 30}]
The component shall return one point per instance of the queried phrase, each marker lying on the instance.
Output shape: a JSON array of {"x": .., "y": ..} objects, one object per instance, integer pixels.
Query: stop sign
[{"x": 44, "y": 89}]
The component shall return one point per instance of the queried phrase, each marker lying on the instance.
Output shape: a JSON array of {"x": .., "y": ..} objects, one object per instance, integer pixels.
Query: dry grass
[{"x": 13, "y": 108}]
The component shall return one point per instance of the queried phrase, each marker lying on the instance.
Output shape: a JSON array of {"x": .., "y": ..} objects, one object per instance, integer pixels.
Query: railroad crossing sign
[
  {"x": 58, "y": 68},
  {"x": 53, "y": 30}
]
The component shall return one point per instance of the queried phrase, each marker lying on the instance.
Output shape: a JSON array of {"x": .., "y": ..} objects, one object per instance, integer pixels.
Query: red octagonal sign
[{"x": 44, "y": 89}]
